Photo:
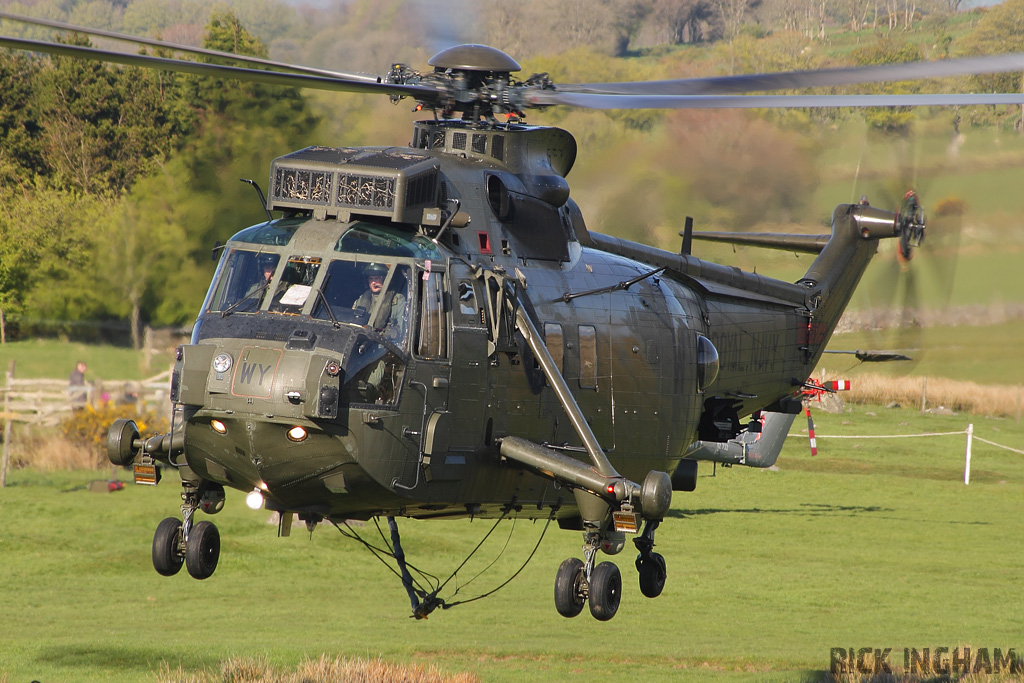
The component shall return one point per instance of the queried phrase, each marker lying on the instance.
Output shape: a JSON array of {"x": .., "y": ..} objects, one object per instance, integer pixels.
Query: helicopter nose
[{"x": 288, "y": 382}]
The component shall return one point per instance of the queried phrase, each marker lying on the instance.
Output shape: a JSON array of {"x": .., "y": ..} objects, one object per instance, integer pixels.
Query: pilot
[
  {"x": 266, "y": 270},
  {"x": 391, "y": 320}
]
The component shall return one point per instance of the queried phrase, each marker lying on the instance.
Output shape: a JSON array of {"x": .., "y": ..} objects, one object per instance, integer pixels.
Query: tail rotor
[{"x": 911, "y": 224}]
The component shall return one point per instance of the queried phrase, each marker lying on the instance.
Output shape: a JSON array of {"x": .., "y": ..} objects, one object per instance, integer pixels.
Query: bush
[
  {"x": 87, "y": 428},
  {"x": 79, "y": 443}
]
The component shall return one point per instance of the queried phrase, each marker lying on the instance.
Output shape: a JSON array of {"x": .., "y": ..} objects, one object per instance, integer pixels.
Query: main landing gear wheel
[
  {"x": 167, "y": 556},
  {"x": 605, "y": 591},
  {"x": 569, "y": 588},
  {"x": 202, "y": 550},
  {"x": 653, "y": 573}
]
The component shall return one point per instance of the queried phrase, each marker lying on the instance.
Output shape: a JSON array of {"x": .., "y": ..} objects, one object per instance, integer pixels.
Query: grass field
[
  {"x": 873, "y": 543},
  {"x": 51, "y": 358}
]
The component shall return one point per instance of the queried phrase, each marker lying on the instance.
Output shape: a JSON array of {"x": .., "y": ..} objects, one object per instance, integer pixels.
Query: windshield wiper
[
  {"x": 330, "y": 313},
  {"x": 238, "y": 303}
]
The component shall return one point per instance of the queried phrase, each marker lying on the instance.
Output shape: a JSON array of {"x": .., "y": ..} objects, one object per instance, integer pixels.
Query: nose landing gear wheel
[
  {"x": 605, "y": 591},
  {"x": 569, "y": 597},
  {"x": 652, "y": 572},
  {"x": 167, "y": 557},
  {"x": 202, "y": 550}
]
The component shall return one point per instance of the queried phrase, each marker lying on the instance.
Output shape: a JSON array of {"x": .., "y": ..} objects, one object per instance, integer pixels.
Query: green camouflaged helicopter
[{"x": 431, "y": 330}]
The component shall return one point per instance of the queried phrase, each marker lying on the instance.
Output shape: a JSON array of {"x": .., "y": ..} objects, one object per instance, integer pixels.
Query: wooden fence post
[
  {"x": 147, "y": 347},
  {"x": 7, "y": 425}
]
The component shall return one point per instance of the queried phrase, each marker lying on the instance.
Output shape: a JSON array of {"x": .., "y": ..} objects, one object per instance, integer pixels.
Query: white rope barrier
[
  {"x": 885, "y": 436},
  {"x": 967, "y": 454},
  {"x": 998, "y": 445}
]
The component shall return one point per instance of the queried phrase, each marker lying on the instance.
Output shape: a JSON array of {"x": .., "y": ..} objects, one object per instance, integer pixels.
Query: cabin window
[
  {"x": 432, "y": 341},
  {"x": 295, "y": 284},
  {"x": 555, "y": 343},
  {"x": 368, "y": 238},
  {"x": 273, "y": 233},
  {"x": 468, "y": 306},
  {"x": 244, "y": 281},
  {"x": 588, "y": 357}
]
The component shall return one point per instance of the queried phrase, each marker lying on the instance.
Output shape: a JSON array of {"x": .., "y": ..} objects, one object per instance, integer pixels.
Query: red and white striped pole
[{"x": 810, "y": 430}]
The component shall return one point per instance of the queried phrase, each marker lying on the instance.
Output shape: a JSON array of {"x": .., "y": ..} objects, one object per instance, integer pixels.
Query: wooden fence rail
[{"x": 47, "y": 402}]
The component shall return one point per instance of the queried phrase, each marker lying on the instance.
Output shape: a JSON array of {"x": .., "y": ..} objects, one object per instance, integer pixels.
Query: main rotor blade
[
  {"x": 796, "y": 80},
  {"x": 190, "y": 49},
  {"x": 218, "y": 70},
  {"x": 600, "y": 101}
]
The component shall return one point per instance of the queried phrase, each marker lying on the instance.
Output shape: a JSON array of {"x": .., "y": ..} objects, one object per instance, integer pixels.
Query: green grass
[
  {"x": 51, "y": 358},
  {"x": 870, "y": 544}
]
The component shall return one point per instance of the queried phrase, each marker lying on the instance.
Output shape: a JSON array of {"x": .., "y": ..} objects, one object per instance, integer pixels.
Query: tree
[
  {"x": 166, "y": 225},
  {"x": 681, "y": 20},
  {"x": 45, "y": 255},
  {"x": 155, "y": 17},
  {"x": 627, "y": 23},
  {"x": 888, "y": 50},
  {"x": 21, "y": 153},
  {"x": 1001, "y": 29},
  {"x": 103, "y": 126},
  {"x": 96, "y": 14},
  {"x": 731, "y": 14},
  {"x": 267, "y": 19}
]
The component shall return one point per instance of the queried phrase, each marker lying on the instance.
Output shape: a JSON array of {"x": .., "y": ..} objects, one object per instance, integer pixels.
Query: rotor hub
[
  {"x": 474, "y": 58},
  {"x": 911, "y": 224}
]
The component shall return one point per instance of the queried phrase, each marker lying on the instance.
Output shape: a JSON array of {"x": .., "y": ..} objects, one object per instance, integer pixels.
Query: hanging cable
[
  {"x": 492, "y": 562},
  {"x": 509, "y": 579},
  {"x": 399, "y": 555},
  {"x": 379, "y": 553},
  {"x": 424, "y": 601}
]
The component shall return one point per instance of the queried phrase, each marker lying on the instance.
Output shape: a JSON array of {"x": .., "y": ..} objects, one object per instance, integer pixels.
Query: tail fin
[{"x": 843, "y": 256}]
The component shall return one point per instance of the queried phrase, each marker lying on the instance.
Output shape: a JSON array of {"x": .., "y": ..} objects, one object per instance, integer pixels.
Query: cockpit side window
[
  {"x": 244, "y": 281},
  {"x": 373, "y": 374},
  {"x": 432, "y": 339}
]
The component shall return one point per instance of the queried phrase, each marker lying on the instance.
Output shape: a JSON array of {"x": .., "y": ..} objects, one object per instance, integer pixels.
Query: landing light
[
  {"x": 254, "y": 499},
  {"x": 222, "y": 363},
  {"x": 219, "y": 426},
  {"x": 297, "y": 434}
]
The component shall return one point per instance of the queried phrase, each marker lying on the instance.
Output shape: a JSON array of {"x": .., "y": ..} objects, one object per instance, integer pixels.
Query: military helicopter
[{"x": 431, "y": 331}]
